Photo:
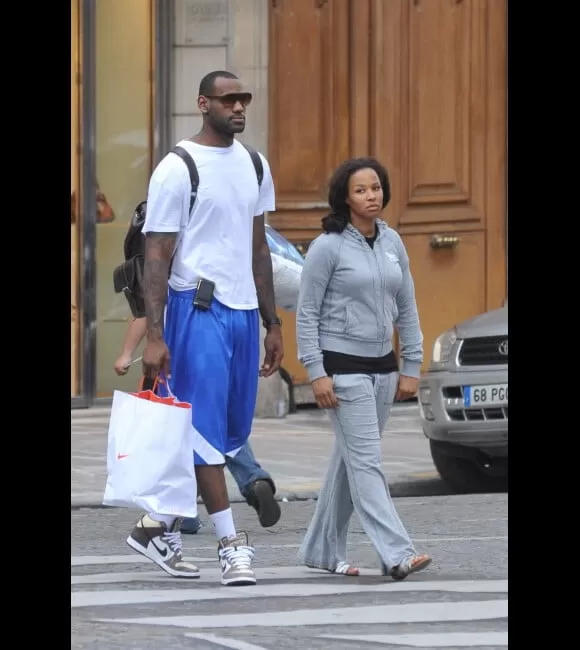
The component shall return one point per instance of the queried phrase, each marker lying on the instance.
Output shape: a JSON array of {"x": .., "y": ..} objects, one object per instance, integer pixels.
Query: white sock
[
  {"x": 223, "y": 523},
  {"x": 166, "y": 519}
]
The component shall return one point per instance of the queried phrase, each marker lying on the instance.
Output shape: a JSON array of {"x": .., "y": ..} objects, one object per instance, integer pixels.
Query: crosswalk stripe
[
  {"x": 211, "y": 575},
  {"x": 295, "y": 584},
  {"x": 94, "y": 560},
  {"x": 366, "y": 615},
  {"x": 86, "y": 560},
  {"x": 233, "y": 644},
  {"x": 434, "y": 640},
  {"x": 293, "y": 590}
]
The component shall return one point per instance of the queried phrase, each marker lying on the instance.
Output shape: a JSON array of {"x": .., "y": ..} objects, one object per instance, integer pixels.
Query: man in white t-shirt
[{"x": 210, "y": 356}]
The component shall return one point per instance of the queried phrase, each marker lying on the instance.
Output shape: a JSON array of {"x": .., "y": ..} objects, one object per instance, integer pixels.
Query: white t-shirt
[{"x": 216, "y": 242}]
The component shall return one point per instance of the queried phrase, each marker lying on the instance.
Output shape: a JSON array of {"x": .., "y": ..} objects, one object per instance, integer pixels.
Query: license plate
[{"x": 492, "y": 395}]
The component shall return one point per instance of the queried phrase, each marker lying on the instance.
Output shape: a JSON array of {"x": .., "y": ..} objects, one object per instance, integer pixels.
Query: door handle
[{"x": 444, "y": 241}]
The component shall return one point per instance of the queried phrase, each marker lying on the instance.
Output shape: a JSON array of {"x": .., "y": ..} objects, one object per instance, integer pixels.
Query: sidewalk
[{"x": 294, "y": 450}]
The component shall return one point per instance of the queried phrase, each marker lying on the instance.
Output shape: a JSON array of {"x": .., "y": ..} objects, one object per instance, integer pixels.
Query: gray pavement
[
  {"x": 120, "y": 601},
  {"x": 294, "y": 450}
]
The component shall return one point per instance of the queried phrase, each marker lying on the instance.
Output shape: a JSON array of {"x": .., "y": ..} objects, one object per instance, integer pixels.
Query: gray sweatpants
[{"x": 355, "y": 478}]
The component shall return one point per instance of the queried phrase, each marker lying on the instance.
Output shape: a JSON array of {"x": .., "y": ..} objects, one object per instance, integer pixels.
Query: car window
[{"x": 279, "y": 245}]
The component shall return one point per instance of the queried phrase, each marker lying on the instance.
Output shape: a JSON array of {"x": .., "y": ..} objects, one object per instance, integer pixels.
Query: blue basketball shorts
[{"x": 215, "y": 360}]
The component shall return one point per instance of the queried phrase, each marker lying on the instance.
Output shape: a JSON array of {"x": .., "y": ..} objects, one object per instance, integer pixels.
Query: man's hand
[
  {"x": 123, "y": 364},
  {"x": 156, "y": 358},
  {"x": 323, "y": 389},
  {"x": 407, "y": 387},
  {"x": 274, "y": 351}
]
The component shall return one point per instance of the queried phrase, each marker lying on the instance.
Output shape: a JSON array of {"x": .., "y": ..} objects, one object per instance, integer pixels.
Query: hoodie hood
[{"x": 352, "y": 233}]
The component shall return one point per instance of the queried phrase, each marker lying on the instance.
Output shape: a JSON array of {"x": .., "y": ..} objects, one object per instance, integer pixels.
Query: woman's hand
[
  {"x": 407, "y": 387},
  {"x": 323, "y": 389}
]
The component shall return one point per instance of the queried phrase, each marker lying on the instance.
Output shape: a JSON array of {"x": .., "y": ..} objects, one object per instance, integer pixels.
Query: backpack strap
[
  {"x": 193, "y": 174},
  {"x": 258, "y": 166},
  {"x": 194, "y": 178}
]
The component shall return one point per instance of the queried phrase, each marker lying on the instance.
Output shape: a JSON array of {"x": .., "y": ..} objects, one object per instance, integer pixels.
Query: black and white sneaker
[
  {"x": 236, "y": 557},
  {"x": 152, "y": 539}
]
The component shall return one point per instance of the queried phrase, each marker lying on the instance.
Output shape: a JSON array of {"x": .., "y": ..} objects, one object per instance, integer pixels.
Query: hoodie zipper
[
  {"x": 377, "y": 275},
  {"x": 383, "y": 289}
]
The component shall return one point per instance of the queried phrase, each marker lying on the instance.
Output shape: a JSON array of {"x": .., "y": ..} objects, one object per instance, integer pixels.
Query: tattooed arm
[
  {"x": 167, "y": 201},
  {"x": 158, "y": 251},
  {"x": 262, "y": 268}
]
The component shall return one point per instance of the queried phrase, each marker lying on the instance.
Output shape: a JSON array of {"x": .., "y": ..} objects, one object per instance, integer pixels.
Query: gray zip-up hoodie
[{"x": 351, "y": 298}]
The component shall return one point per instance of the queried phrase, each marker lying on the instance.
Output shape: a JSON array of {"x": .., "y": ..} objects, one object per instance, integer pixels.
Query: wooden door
[
  {"x": 438, "y": 106},
  {"x": 420, "y": 84},
  {"x": 308, "y": 122}
]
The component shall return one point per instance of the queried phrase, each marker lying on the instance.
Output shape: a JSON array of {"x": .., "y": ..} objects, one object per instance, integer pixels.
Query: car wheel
[{"x": 465, "y": 475}]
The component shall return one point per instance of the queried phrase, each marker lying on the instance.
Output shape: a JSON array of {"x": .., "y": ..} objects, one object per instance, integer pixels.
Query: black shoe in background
[{"x": 261, "y": 498}]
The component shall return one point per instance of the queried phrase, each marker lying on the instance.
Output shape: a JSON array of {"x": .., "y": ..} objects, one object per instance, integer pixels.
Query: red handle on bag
[
  {"x": 152, "y": 396},
  {"x": 156, "y": 381}
]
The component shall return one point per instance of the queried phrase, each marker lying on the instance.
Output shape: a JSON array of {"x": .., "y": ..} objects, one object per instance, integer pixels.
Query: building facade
[
  {"x": 135, "y": 68},
  {"x": 421, "y": 84}
]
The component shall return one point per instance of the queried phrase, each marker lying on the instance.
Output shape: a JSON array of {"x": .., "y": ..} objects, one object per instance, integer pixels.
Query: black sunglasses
[{"x": 231, "y": 99}]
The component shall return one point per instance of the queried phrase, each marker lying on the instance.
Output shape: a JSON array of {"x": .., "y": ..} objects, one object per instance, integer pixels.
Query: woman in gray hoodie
[{"x": 355, "y": 288}]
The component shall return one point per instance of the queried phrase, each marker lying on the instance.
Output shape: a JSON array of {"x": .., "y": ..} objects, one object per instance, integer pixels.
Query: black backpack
[{"x": 127, "y": 277}]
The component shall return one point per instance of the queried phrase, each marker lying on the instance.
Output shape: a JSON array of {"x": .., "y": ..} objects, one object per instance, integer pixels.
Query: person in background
[
  {"x": 356, "y": 288},
  {"x": 254, "y": 482}
]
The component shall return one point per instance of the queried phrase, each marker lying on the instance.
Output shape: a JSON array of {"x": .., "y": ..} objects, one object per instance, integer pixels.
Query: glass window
[
  {"x": 75, "y": 319},
  {"x": 123, "y": 162}
]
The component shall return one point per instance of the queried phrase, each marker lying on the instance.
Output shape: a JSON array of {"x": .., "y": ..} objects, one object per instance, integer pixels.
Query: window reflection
[{"x": 123, "y": 160}]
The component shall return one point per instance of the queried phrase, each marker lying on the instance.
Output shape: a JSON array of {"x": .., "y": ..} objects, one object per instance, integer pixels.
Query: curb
[
  {"x": 399, "y": 489},
  {"x": 104, "y": 410}
]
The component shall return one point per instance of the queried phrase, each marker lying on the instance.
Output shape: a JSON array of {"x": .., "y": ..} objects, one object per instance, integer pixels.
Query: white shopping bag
[{"x": 150, "y": 455}]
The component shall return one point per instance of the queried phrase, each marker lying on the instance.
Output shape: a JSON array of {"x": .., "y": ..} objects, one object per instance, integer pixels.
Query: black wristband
[{"x": 272, "y": 321}]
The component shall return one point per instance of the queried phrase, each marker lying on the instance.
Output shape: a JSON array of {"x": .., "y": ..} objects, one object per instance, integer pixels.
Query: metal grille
[
  {"x": 484, "y": 351},
  {"x": 479, "y": 415}
]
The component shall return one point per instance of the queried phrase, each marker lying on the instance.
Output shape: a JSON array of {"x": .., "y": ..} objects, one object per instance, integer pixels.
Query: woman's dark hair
[{"x": 339, "y": 215}]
